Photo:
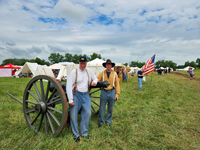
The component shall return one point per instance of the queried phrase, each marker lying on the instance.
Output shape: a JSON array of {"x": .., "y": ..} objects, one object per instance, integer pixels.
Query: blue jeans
[
  {"x": 140, "y": 83},
  {"x": 83, "y": 104},
  {"x": 106, "y": 97}
]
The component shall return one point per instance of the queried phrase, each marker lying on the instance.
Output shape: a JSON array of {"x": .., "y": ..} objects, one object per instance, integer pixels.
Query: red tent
[{"x": 9, "y": 66}]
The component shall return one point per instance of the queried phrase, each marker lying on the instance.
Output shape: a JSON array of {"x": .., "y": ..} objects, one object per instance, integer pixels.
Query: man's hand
[
  {"x": 93, "y": 84},
  {"x": 71, "y": 104},
  {"x": 116, "y": 97}
]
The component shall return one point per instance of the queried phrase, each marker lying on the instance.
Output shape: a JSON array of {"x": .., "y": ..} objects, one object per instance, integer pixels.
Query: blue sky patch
[
  {"x": 59, "y": 21},
  {"x": 154, "y": 19},
  {"x": 170, "y": 20},
  {"x": 143, "y": 12},
  {"x": 25, "y": 8}
]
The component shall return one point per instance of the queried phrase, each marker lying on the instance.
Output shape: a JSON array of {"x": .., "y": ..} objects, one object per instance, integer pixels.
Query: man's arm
[
  {"x": 117, "y": 87},
  {"x": 69, "y": 87},
  {"x": 94, "y": 78}
]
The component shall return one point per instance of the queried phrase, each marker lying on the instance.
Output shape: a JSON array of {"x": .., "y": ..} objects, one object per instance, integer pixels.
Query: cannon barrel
[{"x": 100, "y": 84}]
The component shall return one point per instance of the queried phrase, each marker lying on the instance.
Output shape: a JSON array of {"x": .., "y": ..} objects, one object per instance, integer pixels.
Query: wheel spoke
[
  {"x": 37, "y": 90},
  {"x": 95, "y": 103},
  {"x": 51, "y": 125},
  {"x": 54, "y": 117},
  {"x": 34, "y": 96},
  {"x": 55, "y": 101},
  {"x": 35, "y": 118},
  {"x": 30, "y": 110},
  {"x": 47, "y": 91},
  {"x": 52, "y": 94},
  {"x": 39, "y": 127},
  {"x": 46, "y": 123},
  {"x": 94, "y": 97},
  {"x": 42, "y": 89},
  {"x": 94, "y": 92},
  {"x": 93, "y": 109},
  {"x": 51, "y": 108},
  {"x": 31, "y": 102},
  {"x": 55, "y": 98}
]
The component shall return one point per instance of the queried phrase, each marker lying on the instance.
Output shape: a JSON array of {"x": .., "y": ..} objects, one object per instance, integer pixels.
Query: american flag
[{"x": 149, "y": 66}]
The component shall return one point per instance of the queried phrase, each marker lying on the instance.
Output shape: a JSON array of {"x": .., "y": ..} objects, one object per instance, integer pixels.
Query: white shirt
[{"x": 82, "y": 81}]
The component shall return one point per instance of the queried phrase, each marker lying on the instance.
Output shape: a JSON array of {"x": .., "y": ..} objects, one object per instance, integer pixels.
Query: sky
[{"x": 120, "y": 30}]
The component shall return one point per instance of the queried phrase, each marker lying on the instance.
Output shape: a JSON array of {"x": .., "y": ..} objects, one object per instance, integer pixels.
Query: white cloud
[{"x": 131, "y": 30}]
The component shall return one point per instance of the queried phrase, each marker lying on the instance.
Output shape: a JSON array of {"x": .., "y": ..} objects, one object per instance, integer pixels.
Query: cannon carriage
[{"x": 45, "y": 105}]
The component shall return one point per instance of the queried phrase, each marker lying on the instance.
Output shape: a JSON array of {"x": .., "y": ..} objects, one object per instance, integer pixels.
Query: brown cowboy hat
[{"x": 108, "y": 61}]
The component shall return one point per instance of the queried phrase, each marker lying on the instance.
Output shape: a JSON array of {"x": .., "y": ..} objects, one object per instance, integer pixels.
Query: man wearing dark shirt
[{"x": 140, "y": 76}]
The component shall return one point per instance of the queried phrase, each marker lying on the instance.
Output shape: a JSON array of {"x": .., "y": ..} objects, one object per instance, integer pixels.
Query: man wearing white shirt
[{"x": 78, "y": 84}]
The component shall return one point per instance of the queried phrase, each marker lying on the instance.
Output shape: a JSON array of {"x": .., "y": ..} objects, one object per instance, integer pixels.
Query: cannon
[{"x": 45, "y": 105}]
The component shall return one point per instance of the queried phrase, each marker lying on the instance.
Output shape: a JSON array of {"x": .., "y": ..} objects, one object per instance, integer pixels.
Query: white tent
[
  {"x": 96, "y": 66},
  {"x": 134, "y": 69},
  {"x": 43, "y": 70},
  {"x": 56, "y": 66},
  {"x": 66, "y": 70},
  {"x": 27, "y": 68},
  {"x": 66, "y": 63},
  {"x": 186, "y": 68}
]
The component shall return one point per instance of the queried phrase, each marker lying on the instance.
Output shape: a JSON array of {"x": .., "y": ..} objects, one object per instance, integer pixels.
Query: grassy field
[{"x": 165, "y": 114}]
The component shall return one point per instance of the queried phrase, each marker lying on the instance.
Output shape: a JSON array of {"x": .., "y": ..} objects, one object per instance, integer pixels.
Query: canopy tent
[
  {"x": 5, "y": 72},
  {"x": 9, "y": 66},
  {"x": 28, "y": 68}
]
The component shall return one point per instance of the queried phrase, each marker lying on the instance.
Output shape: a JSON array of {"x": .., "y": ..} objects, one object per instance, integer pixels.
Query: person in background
[
  {"x": 77, "y": 89},
  {"x": 169, "y": 70},
  {"x": 140, "y": 76},
  {"x": 190, "y": 70},
  {"x": 110, "y": 94},
  {"x": 124, "y": 75}
]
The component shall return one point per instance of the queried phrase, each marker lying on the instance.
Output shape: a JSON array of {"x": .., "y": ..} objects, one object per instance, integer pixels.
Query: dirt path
[{"x": 197, "y": 78}]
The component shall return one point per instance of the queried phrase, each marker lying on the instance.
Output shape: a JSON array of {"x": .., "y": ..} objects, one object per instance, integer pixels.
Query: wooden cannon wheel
[{"x": 45, "y": 111}]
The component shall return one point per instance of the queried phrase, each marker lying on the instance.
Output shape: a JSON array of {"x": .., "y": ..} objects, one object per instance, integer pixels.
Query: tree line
[
  {"x": 53, "y": 58},
  {"x": 166, "y": 63},
  {"x": 56, "y": 58}
]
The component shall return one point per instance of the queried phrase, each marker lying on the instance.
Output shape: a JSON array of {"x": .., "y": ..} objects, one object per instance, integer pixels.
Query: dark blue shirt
[
  {"x": 140, "y": 73},
  {"x": 108, "y": 74}
]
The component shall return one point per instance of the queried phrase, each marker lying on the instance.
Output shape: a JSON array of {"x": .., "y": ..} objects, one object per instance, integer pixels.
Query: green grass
[{"x": 165, "y": 114}]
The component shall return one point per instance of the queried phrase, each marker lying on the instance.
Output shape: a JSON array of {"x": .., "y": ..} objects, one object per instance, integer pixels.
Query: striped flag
[{"x": 149, "y": 66}]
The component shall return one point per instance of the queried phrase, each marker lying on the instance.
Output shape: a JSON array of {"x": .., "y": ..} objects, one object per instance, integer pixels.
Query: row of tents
[{"x": 63, "y": 68}]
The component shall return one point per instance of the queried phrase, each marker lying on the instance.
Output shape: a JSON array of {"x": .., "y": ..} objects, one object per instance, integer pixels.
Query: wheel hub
[{"x": 41, "y": 107}]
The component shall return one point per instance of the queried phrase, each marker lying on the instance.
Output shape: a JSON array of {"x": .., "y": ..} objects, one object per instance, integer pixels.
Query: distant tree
[
  {"x": 76, "y": 58},
  {"x": 41, "y": 61},
  {"x": 191, "y": 64},
  {"x": 198, "y": 62},
  {"x": 68, "y": 57},
  {"x": 165, "y": 63},
  {"x": 94, "y": 56},
  {"x": 126, "y": 64},
  {"x": 88, "y": 58},
  {"x": 137, "y": 64},
  {"x": 55, "y": 58},
  {"x": 14, "y": 61}
]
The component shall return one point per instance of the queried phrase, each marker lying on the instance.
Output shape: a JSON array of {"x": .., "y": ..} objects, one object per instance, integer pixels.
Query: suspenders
[
  {"x": 75, "y": 85},
  {"x": 113, "y": 79}
]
